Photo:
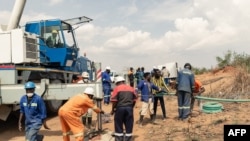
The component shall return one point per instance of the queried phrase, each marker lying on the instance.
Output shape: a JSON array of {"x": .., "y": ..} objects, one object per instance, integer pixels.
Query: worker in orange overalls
[
  {"x": 71, "y": 112},
  {"x": 197, "y": 91}
]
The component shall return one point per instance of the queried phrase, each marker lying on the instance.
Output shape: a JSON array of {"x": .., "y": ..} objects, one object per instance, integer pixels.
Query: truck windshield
[
  {"x": 68, "y": 35},
  {"x": 52, "y": 36}
]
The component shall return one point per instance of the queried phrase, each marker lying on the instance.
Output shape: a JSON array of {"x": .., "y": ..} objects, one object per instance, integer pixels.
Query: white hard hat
[
  {"x": 119, "y": 79},
  {"x": 108, "y": 68},
  {"x": 89, "y": 91},
  {"x": 154, "y": 67},
  {"x": 85, "y": 74}
]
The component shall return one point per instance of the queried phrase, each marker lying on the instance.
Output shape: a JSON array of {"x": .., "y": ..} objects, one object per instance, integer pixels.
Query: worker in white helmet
[
  {"x": 84, "y": 77},
  {"x": 72, "y": 110},
  {"x": 86, "y": 118},
  {"x": 123, "y": 101},
  {"x": 81, "y": 78}
]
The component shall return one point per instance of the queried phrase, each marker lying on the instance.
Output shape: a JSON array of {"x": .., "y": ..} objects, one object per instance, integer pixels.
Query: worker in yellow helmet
[{"x": 54, "y": 39}]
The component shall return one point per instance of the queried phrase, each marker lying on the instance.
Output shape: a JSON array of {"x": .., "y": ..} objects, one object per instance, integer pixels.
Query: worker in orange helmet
[
  {"x": 197, "y": 91},
  {"x": 71, "y": 112}
]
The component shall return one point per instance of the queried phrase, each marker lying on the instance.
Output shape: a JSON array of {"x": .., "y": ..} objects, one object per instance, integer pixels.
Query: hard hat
[
  {"x": 119, "y": 79},
  {"x": 85, "y": 74},
  {"x": 154, "y": 67},
  {"x": 108, "y": 68},
  {"x": 89, "y": 91},
  {"x": 188, "y": 65},
  {"x": 29, "y": 85},
  {"x": 54, "y": 31}
]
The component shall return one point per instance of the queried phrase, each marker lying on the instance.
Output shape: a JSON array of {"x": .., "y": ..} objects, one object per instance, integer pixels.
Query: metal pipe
[
  {"x": 16, "y": 14},
  {"x": 221, "y": 100},
  {"x": 99, "y": 116}
]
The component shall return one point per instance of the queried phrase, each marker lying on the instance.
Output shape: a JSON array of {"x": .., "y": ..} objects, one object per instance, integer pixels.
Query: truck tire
[{"x": 54, "y": 105}]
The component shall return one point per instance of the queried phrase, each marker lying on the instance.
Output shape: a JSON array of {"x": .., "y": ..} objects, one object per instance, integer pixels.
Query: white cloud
[{"x": 54, "y": 2}]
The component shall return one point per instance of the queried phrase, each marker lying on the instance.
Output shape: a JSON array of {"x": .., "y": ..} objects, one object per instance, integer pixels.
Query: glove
[{"x": 102, "y": 112}]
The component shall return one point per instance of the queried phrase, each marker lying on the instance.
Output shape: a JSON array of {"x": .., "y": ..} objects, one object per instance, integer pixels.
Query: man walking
[
  {"x": 147, "y": 98},
  {"x": 33, "y": 108},
  {"x": 106, "y": 84},
  {"x": 185, "y": 87},
  {"x": 159, "y": 82},
  {"x": 123, "y": 99},
  {"x": 72, "y": 110}
]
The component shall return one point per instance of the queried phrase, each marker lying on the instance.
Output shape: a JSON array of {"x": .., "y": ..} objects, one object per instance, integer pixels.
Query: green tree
[{"x": 222, "y": 62}]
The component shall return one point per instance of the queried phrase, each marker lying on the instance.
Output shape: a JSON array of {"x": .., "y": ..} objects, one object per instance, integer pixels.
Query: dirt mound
[{"x": 228, "y": 82}]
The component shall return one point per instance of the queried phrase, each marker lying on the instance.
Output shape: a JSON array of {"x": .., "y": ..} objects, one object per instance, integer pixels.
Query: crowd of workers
[{"x": 150, "y": 85}]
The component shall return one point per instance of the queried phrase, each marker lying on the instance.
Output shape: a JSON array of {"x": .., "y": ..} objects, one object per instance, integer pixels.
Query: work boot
[
  {"x": 140, "y": 120},
  {"x": 84, "y": 120},
  {"x": 89, "y": 122}
]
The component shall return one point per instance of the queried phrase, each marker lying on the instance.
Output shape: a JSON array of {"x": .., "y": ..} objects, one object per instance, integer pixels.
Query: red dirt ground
[{"x": 200, "y": 127}]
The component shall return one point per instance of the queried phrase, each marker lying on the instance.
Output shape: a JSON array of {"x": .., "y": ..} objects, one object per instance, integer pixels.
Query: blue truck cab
[{"x": 64, "y": 54}]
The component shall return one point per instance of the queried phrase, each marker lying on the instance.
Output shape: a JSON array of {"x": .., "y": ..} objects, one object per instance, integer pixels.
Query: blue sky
[{"x": 148, "y": 33}]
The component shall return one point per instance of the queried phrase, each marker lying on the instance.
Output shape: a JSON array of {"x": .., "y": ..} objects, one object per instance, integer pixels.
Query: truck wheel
[{"x": 54, "y": 105}]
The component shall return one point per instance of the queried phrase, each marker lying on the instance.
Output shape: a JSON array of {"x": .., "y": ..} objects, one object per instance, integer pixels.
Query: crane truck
[{"x": 25, "y": 56}]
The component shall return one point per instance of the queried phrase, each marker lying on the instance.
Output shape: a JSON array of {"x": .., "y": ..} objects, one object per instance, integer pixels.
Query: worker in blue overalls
[
  {"x": 185, "y": 87},
  {"x": 33, "y": 108},
  {"x": 106, "y": 85}
]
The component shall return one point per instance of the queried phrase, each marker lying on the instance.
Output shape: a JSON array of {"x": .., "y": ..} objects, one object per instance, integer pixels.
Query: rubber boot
[
  {"x": 84, "y": 120},
  {"x": 89, "y": 122},
  {"x": 140, "y": 120}
]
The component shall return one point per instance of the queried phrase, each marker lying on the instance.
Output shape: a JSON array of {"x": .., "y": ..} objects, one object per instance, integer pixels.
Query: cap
[
  {"x": 108, "y": 68},
  {"x": 85, "y": 74},
  {"x": 119, "y": 79},
  {"x": 89, "y": 91}
]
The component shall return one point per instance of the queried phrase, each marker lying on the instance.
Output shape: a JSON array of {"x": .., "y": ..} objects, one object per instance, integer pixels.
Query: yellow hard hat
[{"x": 54, "y": 31}]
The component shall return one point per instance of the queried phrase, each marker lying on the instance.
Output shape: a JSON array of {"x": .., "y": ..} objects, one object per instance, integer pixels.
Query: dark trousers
[
  {"x": 166, "y": 80},
  {"x": 131, "y": 83},
  {"x": 184, "y": 104},
  {"x": 162, "y": 105},
  {"x": 124, "y": 115}
]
